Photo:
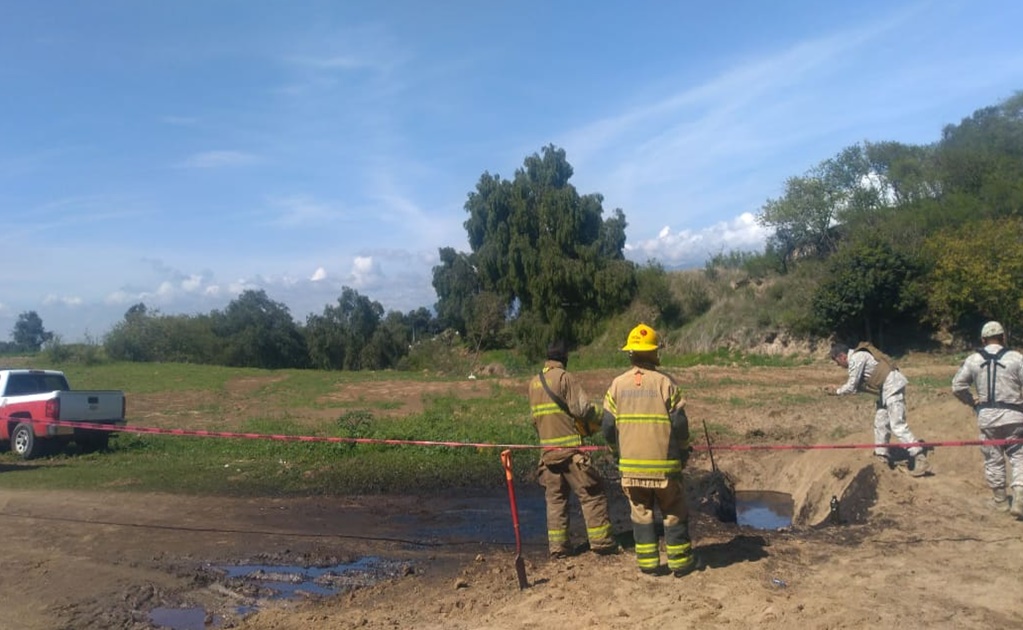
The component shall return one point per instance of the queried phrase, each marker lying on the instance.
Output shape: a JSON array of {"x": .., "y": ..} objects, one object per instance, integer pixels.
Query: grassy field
[
  {"x": 282, "y": 402},
  {"x": 258, "y": 467}
]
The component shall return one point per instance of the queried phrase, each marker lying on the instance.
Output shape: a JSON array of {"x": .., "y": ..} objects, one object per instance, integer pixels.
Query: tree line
[
  {"x": 897, "y": 240},
  {"x": 911, "y": 240}
]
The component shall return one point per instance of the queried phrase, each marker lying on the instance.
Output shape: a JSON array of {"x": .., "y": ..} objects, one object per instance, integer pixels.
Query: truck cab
[{"x": 32, "y": 402}]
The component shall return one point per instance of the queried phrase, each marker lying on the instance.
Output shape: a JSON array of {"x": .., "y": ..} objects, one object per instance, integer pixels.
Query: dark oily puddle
[
  {"x": 283, "y": 581},
  {"x": 763, "y": 509},
  {"x": 256, "y": 583},
  {"x": 182, "y": 618}
]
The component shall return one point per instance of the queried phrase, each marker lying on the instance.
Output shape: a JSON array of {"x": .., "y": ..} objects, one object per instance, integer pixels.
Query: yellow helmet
[{"x": 642, "y": 338}]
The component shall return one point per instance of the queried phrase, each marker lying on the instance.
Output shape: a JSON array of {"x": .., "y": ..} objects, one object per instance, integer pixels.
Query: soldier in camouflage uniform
[
  {"x": 563, "y": 415},
  {"x": 645, "y": 422},
  {"x": 872, "y": 371},
  {"x": 997, "y": 374}
]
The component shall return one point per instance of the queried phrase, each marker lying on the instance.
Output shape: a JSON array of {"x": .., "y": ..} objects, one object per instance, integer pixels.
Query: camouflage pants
[
  {"x": 995, "y": 456},
  {"x": 890, "y": 418}
]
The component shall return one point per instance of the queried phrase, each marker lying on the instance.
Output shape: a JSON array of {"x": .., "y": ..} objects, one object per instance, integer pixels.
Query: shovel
[
  {"x": 722, "y": 488},
  {"x": 520, "y": 564}
]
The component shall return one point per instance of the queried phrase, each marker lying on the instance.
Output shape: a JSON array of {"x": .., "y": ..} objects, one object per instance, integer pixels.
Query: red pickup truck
[{"x": 27, "y": 395}]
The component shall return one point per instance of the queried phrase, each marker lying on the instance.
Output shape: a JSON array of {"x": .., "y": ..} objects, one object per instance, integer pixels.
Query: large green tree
[
  {"x": 981, "y": 158},
  {"x": 543, "y": 250},
  {"x": 870, "y": 287},
  {"x": 802, "y": 218},
  {"x": 977, "y": 274},
  {"x": 337, "y": 337},
  {"x": 28, "y": 333},
  {"x": 260, "y": 332}
]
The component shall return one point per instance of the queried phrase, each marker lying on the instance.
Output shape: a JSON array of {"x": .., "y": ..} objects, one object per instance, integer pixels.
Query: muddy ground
[{"x": 908, "y": 552}]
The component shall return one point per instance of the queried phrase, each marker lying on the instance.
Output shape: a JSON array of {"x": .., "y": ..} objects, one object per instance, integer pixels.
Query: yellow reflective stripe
[
  {"x": 545, "y": 409},
  {"x": 646, "y": 548},
  {"x": 649, "y": 465},
  {"x": 557, "y": 535},
  {"x": 604, "y": 531},
  {"x": 679, "y": 550},
  {"x": 675, "y": 398},
  {"x": 568, "y": 440},
  {"x": 609, "y": 402},
  {"x": 676, "y": 564},
  {"x": 648, "y": 563},
  {"x": 641, "y": 418}
]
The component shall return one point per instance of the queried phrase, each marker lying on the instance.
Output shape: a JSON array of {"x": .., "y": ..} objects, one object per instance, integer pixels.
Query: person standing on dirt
[
  {"x": 563, "y": 415},
  {"x": 997, "y": 374},
  {"x": 872, "y": 371},
  {"x": 645, "y": 423}
]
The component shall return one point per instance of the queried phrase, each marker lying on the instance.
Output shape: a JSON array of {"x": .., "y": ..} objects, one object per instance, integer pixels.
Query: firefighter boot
[
  {"x": 648, "y": 555},
  {"x": 681, "y": 560},
  {"x": 1017, "y": 502},
  {"x": 998, "y": 502}
]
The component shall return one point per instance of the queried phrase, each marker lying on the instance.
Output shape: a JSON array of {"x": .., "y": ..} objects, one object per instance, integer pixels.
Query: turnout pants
[
  {"x": 669, "y": 496},
  {"x": 578, "y": 476}
]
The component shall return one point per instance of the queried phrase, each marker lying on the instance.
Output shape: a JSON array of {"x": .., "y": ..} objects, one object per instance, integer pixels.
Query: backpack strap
[
  {"x": 558, "y": 400},
  {"x": 992, "y": 362}
]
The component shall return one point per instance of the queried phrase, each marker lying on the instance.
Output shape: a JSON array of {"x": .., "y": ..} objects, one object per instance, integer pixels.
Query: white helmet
[{"x": 991, "y": 329}]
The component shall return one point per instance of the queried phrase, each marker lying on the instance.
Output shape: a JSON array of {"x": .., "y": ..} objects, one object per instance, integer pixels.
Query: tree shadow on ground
[{"x": 16, "y": 467}]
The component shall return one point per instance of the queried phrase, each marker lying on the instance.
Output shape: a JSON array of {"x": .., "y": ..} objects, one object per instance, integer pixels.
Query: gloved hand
[
  {"x": 589, "y": 423},
  {"x": 686, "y": 449}
]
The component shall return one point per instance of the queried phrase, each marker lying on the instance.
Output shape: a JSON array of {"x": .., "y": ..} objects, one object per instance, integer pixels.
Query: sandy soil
[{"x": 910, "y": 552}]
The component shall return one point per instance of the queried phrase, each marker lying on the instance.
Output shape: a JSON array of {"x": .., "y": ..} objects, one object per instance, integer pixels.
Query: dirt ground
[{"x": 908, "y": 552}]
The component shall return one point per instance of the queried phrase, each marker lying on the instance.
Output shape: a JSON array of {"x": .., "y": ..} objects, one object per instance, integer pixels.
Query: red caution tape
[{"x": 351, "y": 440}]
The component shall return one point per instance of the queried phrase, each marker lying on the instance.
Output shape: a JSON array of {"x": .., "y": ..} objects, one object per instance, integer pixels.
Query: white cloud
[
  {"x": 318, "y": 275},
  {"x": 66, "y": 300},
  {"x": 693, "y": 247},
  {"x": 218, "y": 159},
  {"x": 192, "y": 284},
  {"x": 365, "y": 273}
]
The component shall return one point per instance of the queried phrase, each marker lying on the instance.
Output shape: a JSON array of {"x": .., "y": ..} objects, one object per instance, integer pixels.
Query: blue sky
[{"x": 177, "y": 153}]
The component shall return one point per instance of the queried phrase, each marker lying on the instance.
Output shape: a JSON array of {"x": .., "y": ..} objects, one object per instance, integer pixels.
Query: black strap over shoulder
[
  {"x": 988, "y": 357},
  {"x": 558, "y": 400},
  {"x": 992, "y": 362}
]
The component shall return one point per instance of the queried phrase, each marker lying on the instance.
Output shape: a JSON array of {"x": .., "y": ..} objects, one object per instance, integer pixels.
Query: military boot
[
  {"x": 1017, "y": 502},
  {"x": 919, "y": 466},
  {"x": 998, "y": 502}
]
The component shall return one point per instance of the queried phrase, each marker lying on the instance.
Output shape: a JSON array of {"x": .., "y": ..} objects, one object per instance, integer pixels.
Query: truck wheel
[
  {"x": 23, "y": 441},
  {"x": 91, "y": 441}
]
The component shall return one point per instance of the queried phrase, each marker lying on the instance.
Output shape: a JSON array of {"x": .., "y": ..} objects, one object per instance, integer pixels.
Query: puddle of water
[
  {"x": 180, "y": 618},
  {"x": 485, "y": 520},
  {"x": 289, "y": 581},
  {"x": 283, "y": 582},
  {"x": 763, "y": 509}
]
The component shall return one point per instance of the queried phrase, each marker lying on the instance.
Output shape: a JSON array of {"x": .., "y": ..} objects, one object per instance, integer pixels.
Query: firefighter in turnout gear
[
  {"x": 563, "y": 415},
  {"x": 645, "y": 424},
  {"x": 874, "y": 372},
  {"x": 997, "y": 374}
]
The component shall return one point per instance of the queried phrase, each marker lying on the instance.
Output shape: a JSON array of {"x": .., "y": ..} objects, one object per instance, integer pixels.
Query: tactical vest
[{"x": 885, "y": 366}]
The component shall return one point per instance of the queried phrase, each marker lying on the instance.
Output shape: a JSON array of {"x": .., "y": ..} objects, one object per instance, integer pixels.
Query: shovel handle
[{"x": 506, "y": 461}]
